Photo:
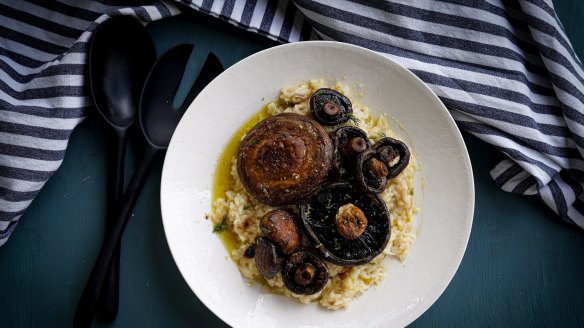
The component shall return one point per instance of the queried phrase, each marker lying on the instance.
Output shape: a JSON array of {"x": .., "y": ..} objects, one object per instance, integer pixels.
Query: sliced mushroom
[
  {"x": 330, "y": 107},
  {"x": 344, "y": 243},
  {"x": 348, "y": 143},
  {"x": 304, "y": 273},
  {"x": 394, "y": 153},
  {"x": 284, "y": 159},
  {"x": 266, "y": 258},
  {"x": 282, "y": 229},
  {"x": 371, "y": 173}
]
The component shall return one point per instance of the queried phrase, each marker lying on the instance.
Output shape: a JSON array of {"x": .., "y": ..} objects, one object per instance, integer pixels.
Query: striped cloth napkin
[{"x": 504, "y": 69}]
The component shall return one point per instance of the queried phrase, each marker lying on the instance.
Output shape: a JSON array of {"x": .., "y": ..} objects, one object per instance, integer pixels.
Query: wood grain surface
[{"x": 521, "y": 268}]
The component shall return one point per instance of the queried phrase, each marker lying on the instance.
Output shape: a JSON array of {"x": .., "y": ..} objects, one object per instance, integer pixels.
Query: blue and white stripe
[
  {"x": 505, "y": 69},
  {"x": 43, "y": 97}
]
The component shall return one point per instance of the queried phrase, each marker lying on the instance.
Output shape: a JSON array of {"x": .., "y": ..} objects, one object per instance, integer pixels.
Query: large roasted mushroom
[
  {"x": 330, "y": 107},
  {"x": 348, "y": 143},
  {"x": 346, "y": 226},
  {"x": 305, "y": 274},
  {"x": 284, "y": 159}
]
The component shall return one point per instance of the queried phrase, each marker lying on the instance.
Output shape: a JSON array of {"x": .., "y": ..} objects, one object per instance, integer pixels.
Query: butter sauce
[{"x": 223, "y": 180}]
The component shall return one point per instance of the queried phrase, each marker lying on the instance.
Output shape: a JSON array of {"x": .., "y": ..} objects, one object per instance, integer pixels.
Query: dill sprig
[
  {"x": 253, "y": 143},
  {"x": 307, "y": 210},
  {"x": 354, "y": 119},
  {"x": 380, "y": 135},
  {"x": 218, "y": 227}
]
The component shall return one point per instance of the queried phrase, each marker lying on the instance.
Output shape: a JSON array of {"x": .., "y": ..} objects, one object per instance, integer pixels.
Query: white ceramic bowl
[{"x": 446, "y": 204}]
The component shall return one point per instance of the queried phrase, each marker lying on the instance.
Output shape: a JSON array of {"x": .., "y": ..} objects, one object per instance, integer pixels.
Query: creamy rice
[{"x": 243, "y": 212}]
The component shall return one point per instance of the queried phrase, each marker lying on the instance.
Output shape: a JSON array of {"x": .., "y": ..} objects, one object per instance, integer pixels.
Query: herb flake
[
  {"x": 380, "y": 135},
  {"x": 253, "y": 143},
  {"x": 219, "y": 227},
  {"x": 354, "y": 119}
]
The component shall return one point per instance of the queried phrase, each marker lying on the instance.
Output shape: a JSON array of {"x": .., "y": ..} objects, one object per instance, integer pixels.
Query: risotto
[{"x": 236, "y": 213}]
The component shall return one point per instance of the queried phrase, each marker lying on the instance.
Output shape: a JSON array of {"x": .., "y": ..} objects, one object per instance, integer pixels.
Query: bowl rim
[{"x": 409, "y": 316}]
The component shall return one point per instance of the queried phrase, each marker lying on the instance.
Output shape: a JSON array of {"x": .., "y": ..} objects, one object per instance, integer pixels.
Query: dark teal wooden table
[{"x": 521, "y": 268}]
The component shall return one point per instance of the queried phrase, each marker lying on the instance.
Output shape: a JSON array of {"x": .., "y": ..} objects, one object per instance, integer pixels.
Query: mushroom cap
[
  {"x": 344, "y": 161},
  {"x": 396, "y": 147},
  {"x": 266, "y": 258},
  {"x": 284, "y": 159},
  {"x": 330, "y": 107},
  {"x": 311, "y": 282},
  {"x": 318, "y": 219},
  {"x": 366, "y": 175},
  {"x": 281, "y": 227}
]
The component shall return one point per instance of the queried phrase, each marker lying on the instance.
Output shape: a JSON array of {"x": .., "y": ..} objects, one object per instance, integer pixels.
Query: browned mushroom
[
  {"x": 284, "y": 159},
  {"x": 282, "y": 229},
  {"x": 305, "y": 274},
  {"x": 371, "y": 172},
  {"x": 330, "y": 107},
  {"x": 266, "y": 258},
  {"x": 394, "y": 153},
  {"x": 348, "y": 143},
  {"x": 359, "y": 240}
]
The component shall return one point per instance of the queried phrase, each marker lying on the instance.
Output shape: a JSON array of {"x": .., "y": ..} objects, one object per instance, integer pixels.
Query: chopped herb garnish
[
  {"x": 218, "y": 227},
  {"x": 411, "y": 191},
  {"x": 329, "y": 202},
  {"x": 307, "y": 211},
  {"x": 246, "y": 207},
  {"x": 253, "y": 143},
  {"x": 354, "y": 119},
  {"x": 380, "y": 135},
  {"x": 337, "y": 245}
]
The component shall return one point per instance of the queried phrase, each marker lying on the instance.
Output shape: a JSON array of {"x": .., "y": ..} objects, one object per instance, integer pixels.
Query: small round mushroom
[
  {"x": 304, "y": 273},
  {"x": 394, "y": 153},
  {"x": 348, "y": 143},
  {"x": 330, "y": 107},
  {"x": 371, "y": 173},
  {"x": 266, "y": 258},
  {"x": 282, "y": 229},
  {"x": 350, "y": 221}
]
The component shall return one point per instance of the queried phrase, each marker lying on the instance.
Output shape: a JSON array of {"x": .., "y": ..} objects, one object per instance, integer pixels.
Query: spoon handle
[
  {"x": 88, "y": 303},
  {"x": 109, "y": 298}
]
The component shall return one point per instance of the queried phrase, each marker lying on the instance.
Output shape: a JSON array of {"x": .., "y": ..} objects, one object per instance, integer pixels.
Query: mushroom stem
[
  {"x": 355, "y": 146},
  {"x": 350, "y": 221},
  {"x": 377, "y": 168},
  {"x": 331, "y": 108},
  {"x": 304, "y": 274}
]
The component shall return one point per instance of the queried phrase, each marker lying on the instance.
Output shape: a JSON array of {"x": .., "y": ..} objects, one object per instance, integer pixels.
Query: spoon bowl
[{"x": 120, "y": 57}]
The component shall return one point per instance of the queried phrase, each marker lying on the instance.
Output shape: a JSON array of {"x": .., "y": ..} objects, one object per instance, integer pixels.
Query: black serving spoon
[
  {"x": 121, "y": 54},
  {"x": 158, "y": 119}
]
